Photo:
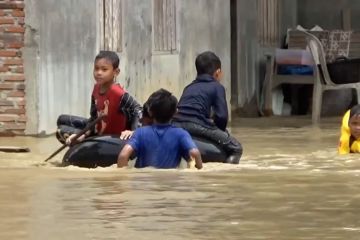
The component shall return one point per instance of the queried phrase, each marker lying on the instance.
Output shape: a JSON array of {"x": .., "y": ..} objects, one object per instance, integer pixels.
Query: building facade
[{"x": 157, "y": 42}]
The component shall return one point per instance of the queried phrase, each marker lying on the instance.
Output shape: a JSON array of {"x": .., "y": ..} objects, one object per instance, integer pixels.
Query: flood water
[{"x": 290, "y": 184}]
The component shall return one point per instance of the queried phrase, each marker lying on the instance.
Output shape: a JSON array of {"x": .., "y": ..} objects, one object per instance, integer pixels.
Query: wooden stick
[
  {"x": 88, "y": 127},
  {"x": 14, "y": 149}
]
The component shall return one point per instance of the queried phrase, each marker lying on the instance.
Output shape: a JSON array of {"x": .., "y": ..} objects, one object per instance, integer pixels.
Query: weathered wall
[
  {"x": 59, "y": 52},
  {"x": 354, "y": 6},
  {"x": 205, "y": 25},
  {"x": 327, "y": 13},
  {"x": 249, "y": 61},
  {"x": 12, "y": 104},
  {"x": 136, "y": 57},
  {"x": 248, "y": 58},
  {"x": 144, "y": 71},
  {"x": 62, "y": 39}
]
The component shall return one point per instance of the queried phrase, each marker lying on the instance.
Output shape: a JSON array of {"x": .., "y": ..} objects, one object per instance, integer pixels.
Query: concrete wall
[
  {"x": 205, "y": 25},
  {"x": 62, "y": 39},
  {"x": 327, "y": 13},
  {"x": 249, "y": 61},
  {"x": 354, "y": 5},
  {"x": 144, "y": 71},
  {"x": 60, "y": 48}
]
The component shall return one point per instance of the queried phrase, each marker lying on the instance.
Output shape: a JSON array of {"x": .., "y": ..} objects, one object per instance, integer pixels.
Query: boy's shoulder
[
  {"x": 143, "y": 129},
  {"x": 117, "y": 87},
  {"x": 207, "y": 84}
]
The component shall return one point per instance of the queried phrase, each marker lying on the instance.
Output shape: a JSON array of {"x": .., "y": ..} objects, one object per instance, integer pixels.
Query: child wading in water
[
  {"x": 160, "y": 145},
  {"x": 350, "y": 132},
  {"x": 121, "y": 111}
]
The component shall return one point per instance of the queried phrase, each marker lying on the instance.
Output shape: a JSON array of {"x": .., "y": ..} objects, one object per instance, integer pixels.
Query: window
[{"x": 164, "y": 26}]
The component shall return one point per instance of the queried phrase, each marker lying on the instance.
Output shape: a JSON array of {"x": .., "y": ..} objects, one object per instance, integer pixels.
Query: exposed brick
[
  {"x": 5, "y": 20},
  {"x": 10, "y": 37},
  {"x": 22, "y": 102},
  {"x": 12, "y": 100},
  {"x": 20, "y": 77},
  {"x": 11, "y": 5},
  {"x": 16, "y": 45},
  {"x": 16, "y": 94},
  {"x": 18, "y": 13},
  {"x": 21, "y": 20},
  {"x": 13, "y": 62},
  {"x": 22, "y": 118},
  {"x": 14, "y": 126},
  {"x": 18, "y": 132},
  {"x": 6, "y": 86},
  {"x": 15, "y": 110},
  {"x": 6, "y": 133},
  {"x": 17, "y": 69},
  {"x": 15, "y": 29},
  {"x": 20, "y": 87},
  {"x": 6, "y": 103},
  {"x": 6, "y": 53},
  {"x": 4, "y": 68},
  {"x": 8, "y": 117}
]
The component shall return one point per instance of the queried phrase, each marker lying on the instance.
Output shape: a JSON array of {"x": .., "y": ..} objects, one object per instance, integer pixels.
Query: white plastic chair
[{"x": 323, "y": 81}]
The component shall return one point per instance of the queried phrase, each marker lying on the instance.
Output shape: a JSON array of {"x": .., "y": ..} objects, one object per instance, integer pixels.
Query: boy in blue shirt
[
  {"x": 160, "y": 145},
  {"x": 202, "y": 109}
]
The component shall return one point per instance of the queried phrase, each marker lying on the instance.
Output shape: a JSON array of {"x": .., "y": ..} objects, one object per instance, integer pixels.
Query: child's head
[
  {"x": 208, "y": 63},
  {"x": 146, "y": 118},
  {"x": 354, "y": 121},
  {"x": 162, "y": 106},
  {"x": 106, "y": 67}
]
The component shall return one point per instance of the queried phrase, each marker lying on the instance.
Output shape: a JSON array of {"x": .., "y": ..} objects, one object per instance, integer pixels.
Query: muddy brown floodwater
[{"x": 290, "y": 184}]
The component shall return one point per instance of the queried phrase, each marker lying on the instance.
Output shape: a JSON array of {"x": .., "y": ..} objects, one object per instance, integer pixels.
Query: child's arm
[
  {"x": 192, "y": 152},
  {"x": 124, "y": 156},
  {"x": 195, "y": 154},
  {"x": 93, "y": 116},
  {"x": 131, "y": 109},
  {"x": 220, "y": 108}
]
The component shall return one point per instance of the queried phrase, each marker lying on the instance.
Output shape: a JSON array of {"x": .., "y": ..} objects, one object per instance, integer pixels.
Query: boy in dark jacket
[{"x": 202, "y": 109}]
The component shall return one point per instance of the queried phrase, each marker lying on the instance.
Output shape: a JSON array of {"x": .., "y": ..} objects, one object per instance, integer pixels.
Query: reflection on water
[{"x": 291, "y": 184}]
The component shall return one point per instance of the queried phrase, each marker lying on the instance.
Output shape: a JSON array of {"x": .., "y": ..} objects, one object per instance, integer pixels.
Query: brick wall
[{"x": 12, "y": 79}]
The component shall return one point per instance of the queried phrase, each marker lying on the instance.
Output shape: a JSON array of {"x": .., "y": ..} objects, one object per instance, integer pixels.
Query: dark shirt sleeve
[
  {"x": 220, "y": 108},
  {"x": 131, "y": 109},
  {"x": 93, "y": 113}
]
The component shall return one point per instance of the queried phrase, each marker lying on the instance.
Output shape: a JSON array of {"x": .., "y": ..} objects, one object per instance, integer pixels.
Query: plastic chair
[
  {"x": 323, "y": 81},
  {"x": 274, "y": 80}
]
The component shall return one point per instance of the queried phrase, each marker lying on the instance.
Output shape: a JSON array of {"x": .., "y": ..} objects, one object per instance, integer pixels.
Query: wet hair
[
  {"x": 109, "y": 55},
  {"x": 207, "y": 63},
  {"x": 355, "y": 110},
  {"x": 162, "y": 105}
]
